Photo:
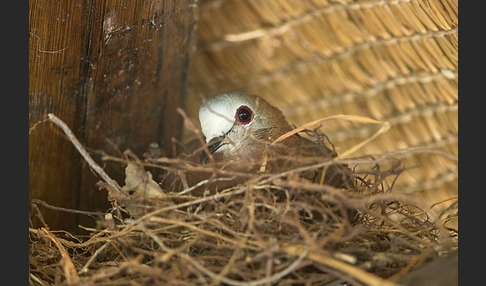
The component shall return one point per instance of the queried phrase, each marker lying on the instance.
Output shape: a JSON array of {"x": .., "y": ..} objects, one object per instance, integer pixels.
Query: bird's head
[{"x": 238, "y": 125}]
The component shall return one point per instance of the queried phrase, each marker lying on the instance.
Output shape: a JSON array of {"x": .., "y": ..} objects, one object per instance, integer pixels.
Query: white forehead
[{"x": 217, "y": 114}]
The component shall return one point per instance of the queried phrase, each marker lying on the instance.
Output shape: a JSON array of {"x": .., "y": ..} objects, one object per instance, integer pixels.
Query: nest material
[{"x": 269, "y": 228}]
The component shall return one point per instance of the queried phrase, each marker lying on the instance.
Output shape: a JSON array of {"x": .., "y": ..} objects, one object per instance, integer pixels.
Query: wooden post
[{"x": 115, "y": 71}]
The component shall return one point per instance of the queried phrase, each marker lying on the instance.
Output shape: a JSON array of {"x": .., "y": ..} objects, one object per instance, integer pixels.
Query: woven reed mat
[{"x": 394, "y": 61}]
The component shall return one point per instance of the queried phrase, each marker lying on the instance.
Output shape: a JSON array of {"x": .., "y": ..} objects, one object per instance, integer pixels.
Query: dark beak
[{"x": 213, "y": 145}]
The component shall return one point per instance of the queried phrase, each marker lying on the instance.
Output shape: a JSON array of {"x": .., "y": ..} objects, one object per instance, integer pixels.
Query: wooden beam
[{"x": 114, "y": 71}]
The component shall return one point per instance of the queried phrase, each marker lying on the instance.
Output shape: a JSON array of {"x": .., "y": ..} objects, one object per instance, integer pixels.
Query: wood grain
[{"x": 115, "y": 72}]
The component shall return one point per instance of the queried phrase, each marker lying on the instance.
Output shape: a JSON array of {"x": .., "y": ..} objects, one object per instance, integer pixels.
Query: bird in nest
[{"x": 241, "y": 133}]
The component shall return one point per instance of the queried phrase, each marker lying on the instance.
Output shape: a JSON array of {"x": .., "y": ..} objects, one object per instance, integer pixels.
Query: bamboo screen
[{"x": 394, "y": 61}]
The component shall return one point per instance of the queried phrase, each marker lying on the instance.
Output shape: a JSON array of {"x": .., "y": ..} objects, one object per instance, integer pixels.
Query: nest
[{"x": 268, "y": 228}]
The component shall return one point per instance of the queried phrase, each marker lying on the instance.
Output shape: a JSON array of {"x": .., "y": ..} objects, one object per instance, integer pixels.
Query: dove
[{"x": 240, "y": 127}]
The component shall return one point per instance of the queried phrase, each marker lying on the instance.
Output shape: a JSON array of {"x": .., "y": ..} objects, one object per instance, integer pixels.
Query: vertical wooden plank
[
  {"x": 132, "y": 76},
  {"x": 57, "y": 45},
  {"x": 137, "y": 78}
]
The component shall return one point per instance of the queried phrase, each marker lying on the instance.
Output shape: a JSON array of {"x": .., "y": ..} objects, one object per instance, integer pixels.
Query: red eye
[{"x": 244, "y": 115}]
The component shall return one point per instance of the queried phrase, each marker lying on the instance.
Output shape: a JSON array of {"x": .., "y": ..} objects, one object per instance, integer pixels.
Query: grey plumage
[{"x": 249, "y": 142}]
